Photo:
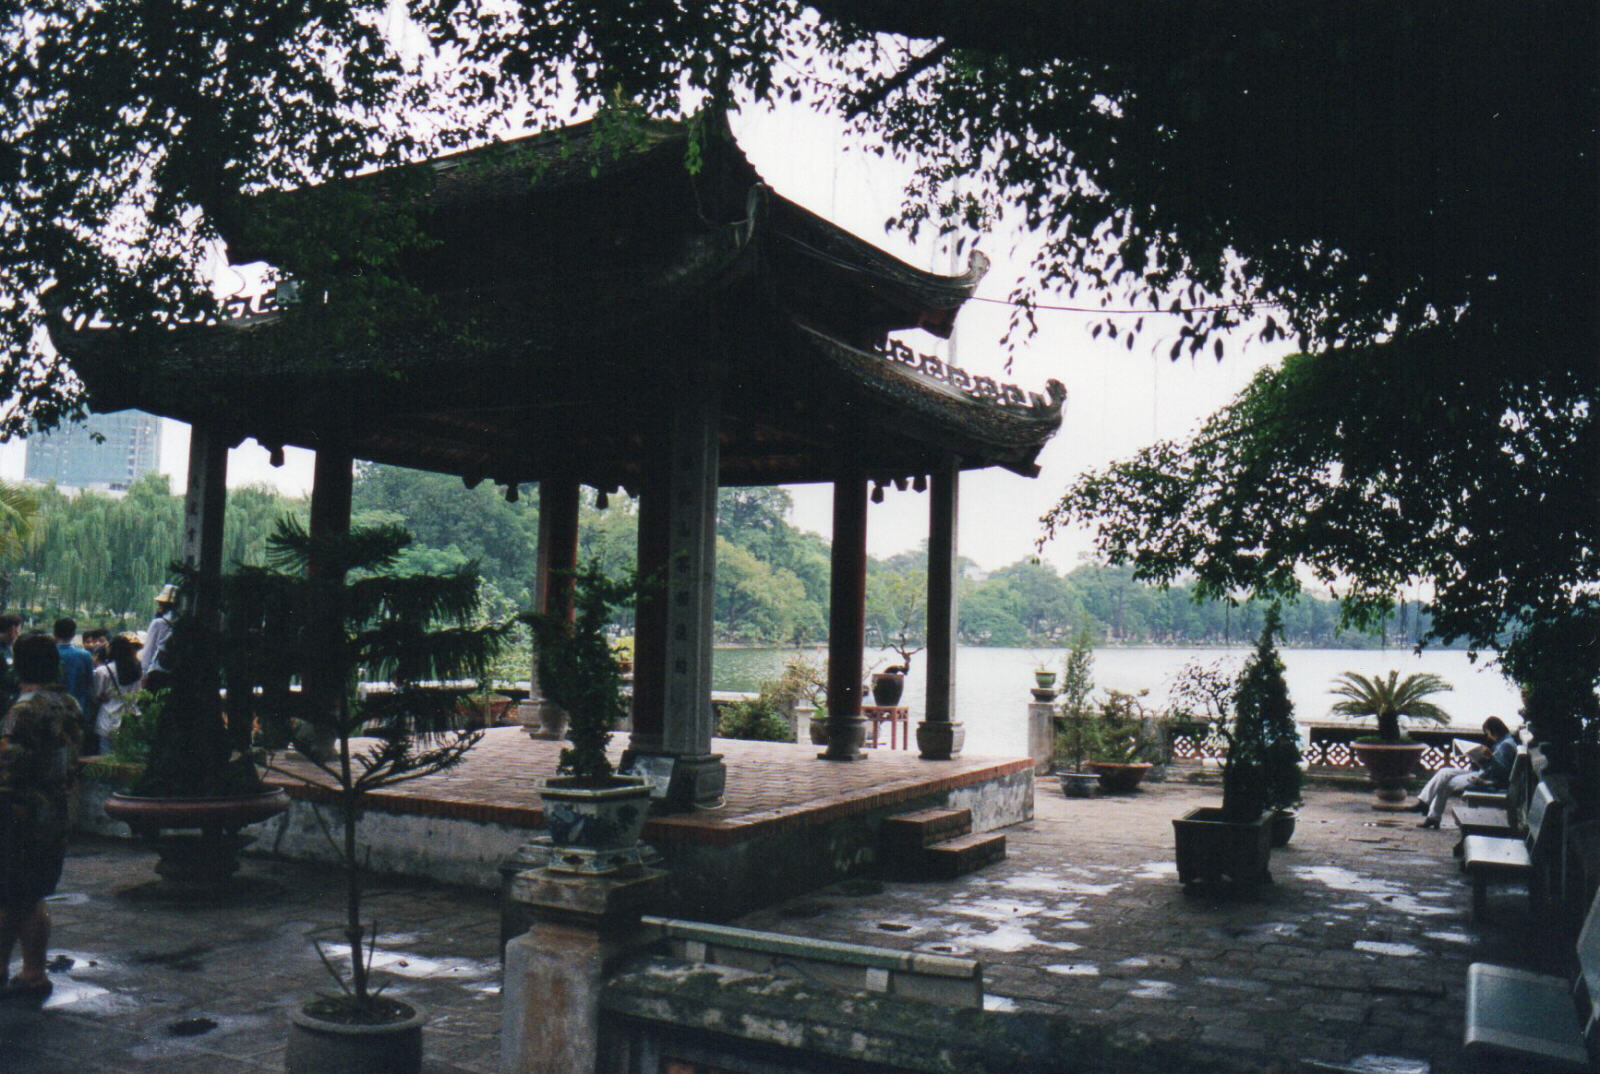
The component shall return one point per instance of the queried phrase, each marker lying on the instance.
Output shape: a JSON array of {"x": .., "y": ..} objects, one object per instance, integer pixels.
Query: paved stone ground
[
  {"x": 1359, "y": 948},
  {"x": 144, "y": 985}
]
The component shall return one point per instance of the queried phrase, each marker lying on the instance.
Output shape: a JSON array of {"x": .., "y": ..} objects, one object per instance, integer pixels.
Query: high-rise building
[{"x": 72, "y": 457}]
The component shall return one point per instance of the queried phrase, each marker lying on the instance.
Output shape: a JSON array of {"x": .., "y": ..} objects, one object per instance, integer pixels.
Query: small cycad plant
[{"x": 1390, "y": 699}]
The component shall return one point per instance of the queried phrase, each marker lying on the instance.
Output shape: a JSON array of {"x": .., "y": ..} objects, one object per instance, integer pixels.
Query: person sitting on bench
[{"x": 1491, "y": 770}]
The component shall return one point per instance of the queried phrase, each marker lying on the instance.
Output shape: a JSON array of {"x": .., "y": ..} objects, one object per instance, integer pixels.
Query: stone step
[
  {"x": 925, "y": 827},
  {"x": 964, "y": 854}
]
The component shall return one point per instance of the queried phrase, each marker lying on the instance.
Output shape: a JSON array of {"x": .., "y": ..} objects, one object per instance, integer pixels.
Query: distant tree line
[{"x": 101, "y": 558}]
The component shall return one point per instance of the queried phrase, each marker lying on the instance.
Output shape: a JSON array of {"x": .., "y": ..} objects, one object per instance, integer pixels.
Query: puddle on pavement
[
  {"x": 1006, "y": 938},
  {"x": 1157, "y": 870},
  {"x": 65, "y": 992},
  {"x": 1134, "y": 963},
  {"x": 407, "y": 964},
  {"x": 1451, "y": 937},
  {"x": 1397, "y": 950},
  {"x": 1074, "y": 969},
  {"x": 1155, "y": 990},
  {"x": 67, "y": 898},
  {"x": 894, "y": 926},
  {"x": 1385, "y": 892},
  {"x": 999, "y": 1003},
  {"x": 996, "y": 909},
  {"x": 943, "y": 949},
  {"x": 1385, "y": 1064}
]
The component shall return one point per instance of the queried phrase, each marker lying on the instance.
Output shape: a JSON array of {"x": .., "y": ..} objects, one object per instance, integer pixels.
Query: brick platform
[{"x": 790, "y": 822}]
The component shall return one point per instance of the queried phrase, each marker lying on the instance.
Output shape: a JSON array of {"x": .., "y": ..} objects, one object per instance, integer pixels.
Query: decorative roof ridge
[{"x": 939, "y": 374}]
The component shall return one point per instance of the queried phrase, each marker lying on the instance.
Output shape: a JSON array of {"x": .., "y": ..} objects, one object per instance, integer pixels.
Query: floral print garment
[{"x": 38, "y": 745}]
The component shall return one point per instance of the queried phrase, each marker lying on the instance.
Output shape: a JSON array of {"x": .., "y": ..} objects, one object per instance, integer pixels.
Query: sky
[{"x": 1118, "y": 399}]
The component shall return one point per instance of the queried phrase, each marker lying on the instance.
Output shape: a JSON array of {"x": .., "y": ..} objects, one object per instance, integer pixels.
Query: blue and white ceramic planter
[{"x": 604, "y": 818}]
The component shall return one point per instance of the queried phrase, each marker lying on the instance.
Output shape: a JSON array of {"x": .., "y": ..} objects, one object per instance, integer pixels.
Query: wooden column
[
  {"x": 192, "y": 764},
  {"x": 650, "y": 618},
  {"x": 205, "y": 505},
  {"x": 555, "y": 561},
  {"x": 847, "y": 615},
  {"x": 940, "y": 736},
  {"x": 330, "y": 520},
  {"x": 688, "y": 722}
]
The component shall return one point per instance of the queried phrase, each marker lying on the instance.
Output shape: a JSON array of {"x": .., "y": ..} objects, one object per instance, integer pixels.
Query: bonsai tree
[
  {"x": 1122, "y": 735},
  {"x": 578, "y": 671},
  {"x": 1244, "y": 770},
  {"x": 408, "y": 630},
  {"x": 1262, "y": 698},
  {"x": 1079, "y": 737},
  {"x": 1390, "y": 700}
]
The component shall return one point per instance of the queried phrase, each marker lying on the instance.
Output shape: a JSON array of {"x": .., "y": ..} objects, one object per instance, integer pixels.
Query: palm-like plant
[{"x": 1390, "y": 699}]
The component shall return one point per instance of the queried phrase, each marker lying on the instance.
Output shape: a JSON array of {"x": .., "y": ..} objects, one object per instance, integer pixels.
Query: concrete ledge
[
  {"x": 733, "y": 1018},
  {"x": 955, "y": 982}
]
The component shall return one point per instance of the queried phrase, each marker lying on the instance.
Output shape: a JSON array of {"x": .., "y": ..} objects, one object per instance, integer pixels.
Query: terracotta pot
[
  {"x": 1120, "y": 778},
  {"x": 1078, "y": 784},
  {"x": 319, "y": 1046},
  {"x": 197, "y": 839},
  {"x": 887, "y": 688},
  {"x": 599, "y": 818},
  {"x": 1389, "y": 764},
  {"x": 1213, "y": 849}
]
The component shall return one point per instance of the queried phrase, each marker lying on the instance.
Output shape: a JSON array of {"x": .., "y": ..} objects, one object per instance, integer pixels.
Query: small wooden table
[{"x": 898, "y": 717}]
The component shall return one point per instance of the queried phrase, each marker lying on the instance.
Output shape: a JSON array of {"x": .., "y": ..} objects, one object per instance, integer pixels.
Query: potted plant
[
  {"x": 1044, "y": 683},
  {"x": 1124, "y": 754},
  {"x": 1078, "y": 737},
  {"x": 1231, "y": 844},
  {"x": 587, "y": 806},
  {"x": 198, "y": 785},
  {"x": 1390, "y": 756},
  {"x": 1263, "y": 697},
  {"x": 406, "y": 629},
  {"x": 889, "y": 685}
]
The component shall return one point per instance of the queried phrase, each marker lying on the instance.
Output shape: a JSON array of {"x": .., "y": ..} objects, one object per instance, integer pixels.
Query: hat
[{"x": 168, "y": 594}]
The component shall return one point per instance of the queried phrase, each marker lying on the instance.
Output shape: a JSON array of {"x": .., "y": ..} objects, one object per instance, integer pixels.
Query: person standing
[
  {"x": 77, "y": 675},
  {"x": 153, "y": 659},
  {"x": 10, "y": 627},
  {"x": 116, "y": 681},
  {"x": 38, "y": 745},
  {"x": 97, "y": 641}
]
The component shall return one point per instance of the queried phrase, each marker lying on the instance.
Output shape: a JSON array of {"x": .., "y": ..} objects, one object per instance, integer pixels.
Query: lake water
[{"x": 992, "y": 684}]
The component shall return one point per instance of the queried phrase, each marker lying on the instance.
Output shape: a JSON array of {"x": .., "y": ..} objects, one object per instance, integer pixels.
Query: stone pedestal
[
  {"x": 550, "y": 1009},
  {"x": 541, "y": 719},
  {"x": 1041, "y": 736},
  {"x": 940, "y": 740}
]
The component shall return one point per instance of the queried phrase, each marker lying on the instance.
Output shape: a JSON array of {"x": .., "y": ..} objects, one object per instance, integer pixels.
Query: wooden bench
[
  {"x": 1534, "y": 1020},
  {"x": 1513, "y": 800},
  {"x": 1487, "y": 858}
]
